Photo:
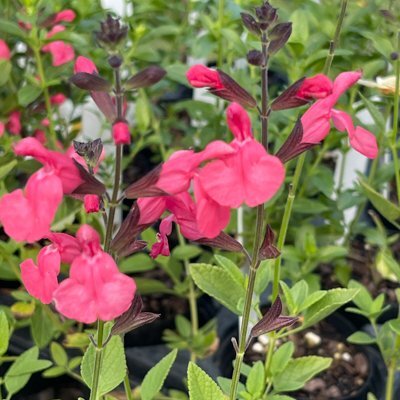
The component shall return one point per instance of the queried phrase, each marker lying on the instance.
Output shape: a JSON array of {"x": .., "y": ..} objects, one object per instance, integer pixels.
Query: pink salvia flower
[
  {"x": 162, "y": 245},
  {"x": 65, "y": 16},
  {"x": 58, "y": 99},
  {"x": 83, "y": 64},
  {"x": 200, "y": 76},
  {"x": 95, "y": 288},
  {"x": 316, "y": 120},
  {"x": 14, "y": 123},
  {"x": 316, "y": 87},
  {"x": 41, "y": 280},
  {"x": 91, "y": 203},
  {"x": 54, "y": 30},
  {"x": 27, "y": 215},
  {"x": 5, "y": 53},
  {"x": 2, "y": 128},
  {"x": 249, "y": 175},
  {"x": 68, "y": 246},
  {"x": 120, "y": 133},
  {"x": 61, "y": 52}
]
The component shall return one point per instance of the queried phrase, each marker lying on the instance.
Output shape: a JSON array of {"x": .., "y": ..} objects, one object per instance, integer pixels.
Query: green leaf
[
  {"x": 143, "y": 112},
  {"x": 395, "y": 325},
  {"x": 307, "y": 206},
  {"x": 54, "y": 372},
  {"x": 333, "y": 299},
  {"x": 218, "y": 283},
  {"x": 149, "y": 286},
  {"x": 256, "y": 380},
  {"x": 58, "y": 354},
  {"x": 4, "y": 333},
  {"x": 201, "y": 386},
  {"x": 5, "y": 68},
  {"x": 42, "y": 327},
  {"x": 280, "y": 397},
  {"x": 264, "y": 276},
  {"x": 363, "y": 299},
  {"x": 299, "y": 371},
  {"x": 376, "y": 114},
  {"x": 281, "y": 358},
  {"x": 137, "y": 263},
  {"x": 27, "y": 94},
  {"x": 289, "y": 301},
  {"x": 22, "y": 368},
  {"x": 7, "y": 168},
  {"x": 154, "y": 379},
  {"x": 186, "y": 252},
  {"x": 387, "y": 266},
  {"x": 361, "y": 338},
  {"x": 183, "y": 326},
  {"x": 177, "y": 72},
  {"x": 113, "y": 366},
  {"x": 389, "y": 210},
  {"x": 11, "y": 28},
  {"x": 231, "y": 268},
  {"x": 311, "y": 299}
]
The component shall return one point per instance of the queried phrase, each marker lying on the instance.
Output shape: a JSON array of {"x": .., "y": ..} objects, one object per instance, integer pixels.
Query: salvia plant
[{"x": 211, "y": 215}]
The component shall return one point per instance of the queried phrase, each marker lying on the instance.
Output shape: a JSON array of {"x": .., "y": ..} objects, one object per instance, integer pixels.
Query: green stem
[
  {"x": 192, "y": 298},
  {"x": 97, "y": 361},
  {"x": 127, "y": 387},
  {"x": 333, "y": 44},
  {"x": 221, "y": 11},
  {"x": 42, "y": 76},
  {"x": 396, "y": 120},
  {"x": 285, "y": 224}
]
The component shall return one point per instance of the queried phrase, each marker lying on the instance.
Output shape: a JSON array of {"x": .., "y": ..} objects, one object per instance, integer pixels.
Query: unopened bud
[
  {"x": 111, "y": 32},
  {"x": 115, "y": 61},
  {"x": 121, "y": 134},
  {"x": 90, "y": 151},
  {"x": 251, "y": 24},
  {"x": 266, "y": 13},
  {"x": 255, "y": 57},
  {"x": 394, "y": 56},
  {"x": 91, "y": 203}
]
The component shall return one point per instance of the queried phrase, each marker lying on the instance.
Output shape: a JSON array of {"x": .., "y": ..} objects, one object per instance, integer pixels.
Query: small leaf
[
  {"x": 113, "y": 366},
  {"x": 4, "y": 333},
  {"x": 298, "y": 372},
  {"x": 361, "y": 338},
  {"x": 54, "y": 372},
  {"x": 256, "y": 379},
  {"x": 186, "y": 252},
  {"x": 201, "y": 386},
  {"x": 154, "y": 379},
  {"x": 28, "y": 94},
  {"x": 42, "y": 327},
  {"x": 91, "y": 82},
  {"x": 218, "y": 283},
  {"x": 58, "y": 354},
  {"x": 231, "y": 268},
  {"x": 281, "y": 358}
]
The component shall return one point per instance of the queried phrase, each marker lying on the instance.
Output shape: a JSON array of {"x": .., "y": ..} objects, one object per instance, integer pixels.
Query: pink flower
[
  {"x": 40, "y": 136},
  {"x": 151, "y": 209},
  {"x": 249, "y": 174},
  {"x": 58, "y": 99},
  {"x": 120, "y": 133},
  {"x": 162, "y": 245},
  {"x": 200, "y": 76},
  {"x": 61, "y": 164},
  {"x": 14, "y": 123},
  {"x": 54, "y": 30},
  {"x": 91, "y": 203},
  {"x": 68, "y": 246},
  {"x": 316, "y": 120},
  {"x": 41, "y": 280},
  {"x": 61, "y": 52},
  {"x": 5, "y": 53},
  {"x": 83, "y": 64},
  {"x": 65, "y": 15},
  {"x": 27, "y": 215},
  {"x": 2, "y": 128},
  {"x": 316, "y": 87},
  {"x": 95, "y": 288}
]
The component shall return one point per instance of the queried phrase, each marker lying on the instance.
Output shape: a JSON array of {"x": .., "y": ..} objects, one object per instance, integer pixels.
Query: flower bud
[
  {"x": 5, "y": 53},
  {"x": 121, "y": 134},
  {"x": 251, "y": 24},
  {"x": 394, "y": 56},
  {"x": 255, "y": 57},
  {"x": 266, "y": 13},
  {"x": 111, "y": 32},
  {"x": 115, "y": 61},
  {"x": 91, "y": 203}
]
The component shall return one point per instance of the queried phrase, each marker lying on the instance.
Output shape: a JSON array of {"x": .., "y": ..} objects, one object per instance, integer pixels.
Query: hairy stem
[
  {"x": 97, "y": 361},
  {"x": 127, "y": 387}
]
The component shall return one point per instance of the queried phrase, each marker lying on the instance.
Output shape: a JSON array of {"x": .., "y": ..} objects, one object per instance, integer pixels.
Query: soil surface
[{"x": 345, "y": 377}]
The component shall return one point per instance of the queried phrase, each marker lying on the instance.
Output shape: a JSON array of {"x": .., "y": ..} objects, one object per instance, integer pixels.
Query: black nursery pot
[{"x": 374, "y": 383}]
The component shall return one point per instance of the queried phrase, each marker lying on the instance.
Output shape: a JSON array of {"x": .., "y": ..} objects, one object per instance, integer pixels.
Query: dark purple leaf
[
  {"x": 91, "y": 185},
  {"x": 268, "y": 250},
  {"x": 280, "y": 35},
  {"x": 104, "y": 101},
  {"x": 222, "y": 241},
  {"x": 146, "y": 186},
  {"x": 255, "y": 57},
  {"x": 147, "y": 77},
  {"x": 91, "y": 82},
  {"x": 287, "y": 99},
  {"x": 251, "y": 24}
]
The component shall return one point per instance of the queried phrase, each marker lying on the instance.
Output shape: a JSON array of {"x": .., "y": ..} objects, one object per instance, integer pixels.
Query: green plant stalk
[
  {"x": 392, "y": 371},
  {"x": 255, "y": 262},
  {"x": 127, "y": 387},
  {"x": 192, "y": 298},
  {"x": 108, "y": 237},
  {"x": 396, "y": 120},
  {"x": 221, "y": 12},
  {"x": 49, "y": 110}
]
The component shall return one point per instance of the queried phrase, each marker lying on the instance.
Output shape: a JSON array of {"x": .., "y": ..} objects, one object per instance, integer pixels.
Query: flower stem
[
  {"x": 258, "y": 233},
  {"x": 42, "y": 77},
  {"x": 127, "y": 387},
  {"x": 333, "y": 44},
  {"x": 221, "y": 12},
  {"x": 192, "y": 298},
  {"x": 108, "y": 237},
  {"x": 396, "y": 119},
  {"x": 97, "y": 361}
]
